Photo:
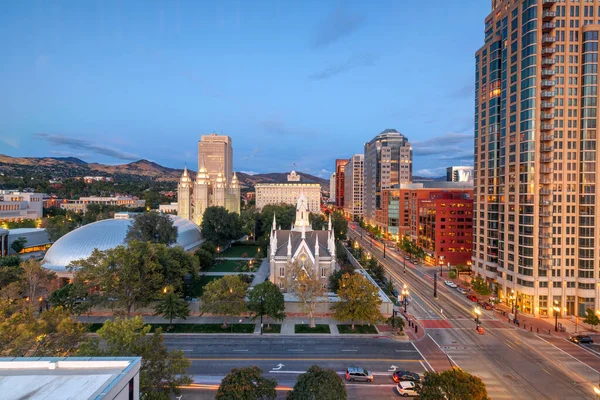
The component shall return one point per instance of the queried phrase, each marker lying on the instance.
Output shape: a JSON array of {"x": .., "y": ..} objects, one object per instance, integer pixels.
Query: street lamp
[
  {"x": 597, "y": 391},
  {"x": 477, "y": 312},
  {"x": 556, "y": 312},
  {"x": 384, "y": 248},
  {"x": 405, "y": 297}
]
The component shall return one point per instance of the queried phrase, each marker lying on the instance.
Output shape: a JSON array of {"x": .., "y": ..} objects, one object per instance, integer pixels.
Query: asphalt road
[{"x": 513, "y": 363}]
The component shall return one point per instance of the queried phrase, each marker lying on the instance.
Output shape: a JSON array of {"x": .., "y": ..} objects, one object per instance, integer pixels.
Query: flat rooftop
[{"x": 62, "y": 378}]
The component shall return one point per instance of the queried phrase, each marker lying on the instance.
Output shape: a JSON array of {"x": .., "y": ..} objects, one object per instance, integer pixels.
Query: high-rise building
[
  {"x": 459, "y": 174},
  {"x": 536, "y": 165},
  {"x": 215, "y": 153},
  {"x": 339, "y": 182},
  {"x": 353, "y": 190},
  {"x": 388, "y": 162},
  {"x": 332, "y": 188}
]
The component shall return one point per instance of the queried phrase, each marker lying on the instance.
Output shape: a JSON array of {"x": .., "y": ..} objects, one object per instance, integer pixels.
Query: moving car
[
  {"x": 358, "y": 374},
  {"x": 404, "y": 376},
  {"x": 450, "y": 283},
  {"x": 473, "y": 298},
  {"x": 581, "y": 339},
  {"x": 407, "y": 388},
  {"x": 461, "y": 290}
]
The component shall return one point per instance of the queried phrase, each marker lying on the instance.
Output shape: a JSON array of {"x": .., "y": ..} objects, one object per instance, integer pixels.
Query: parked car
[
  {"x": 473, "y": 298},
  {"x": 461, "y": 290},
  {"x": 487, "y": 306},
  {"x": 406, "y": 389},
  {"x": 358, "y": 374},
  {"x": 401, "y": 376},
  {"x": 581, "y": 339},
  {"x": 495, "y": 300},
  {"x": 450, "y": 283}
]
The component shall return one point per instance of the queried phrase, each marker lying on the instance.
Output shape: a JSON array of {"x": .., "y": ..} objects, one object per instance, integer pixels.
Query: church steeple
[{"x": 302, "y": 221}]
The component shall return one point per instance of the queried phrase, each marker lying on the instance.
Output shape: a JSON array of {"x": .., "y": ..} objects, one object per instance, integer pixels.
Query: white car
[
  {"x": 450, "y": 283},
  {"x": 461, "y": 290},
  {"x": 406, "y": 388}
]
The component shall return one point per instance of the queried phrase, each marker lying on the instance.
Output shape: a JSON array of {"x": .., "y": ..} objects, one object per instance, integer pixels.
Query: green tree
[
  {"x": 336, "y": 277},
  {"x": 34, "y": 278},
  {"x": 18, "y": 245},
  {"x": 172, "y": 306},
  {"x": 225, "y": 296},
  {"x": 162, "y": 372},
  {"x": 317, "y": 221},
  {"x": 453, "y": 384},
  {"x": 248, "y": 220},
  {"x": 359, "y": 300},
  {"x": 307, "y": 287},
  {"x": 479, "y": 285},
  {"x": 73, "y": 297},
  {"x": 152, "y": 227},
  {"x": 205, "y": 259},
  {"x": 339, "y": 224},
  {"x": 210, "y": 247},
  {"x": 175, "y": 264},
  {"x": 318, "y": 384},
  {"x": 220, "y": 225},
  {"x": 285, "y": 216},
  {"x": 248, "y": 384},
  {"x": 127, "y": 277},
  {"x": 395, "y": 323},
  {"x": 266, "y": 299},
  {"x": 10, "y": 274},
  {"x": 591, "y": 318}
]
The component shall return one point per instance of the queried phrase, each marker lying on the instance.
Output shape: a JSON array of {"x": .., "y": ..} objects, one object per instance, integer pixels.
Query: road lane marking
[
  {"x": 424, "y": 367},
  {"x": 421, "y": 354},
  {"x": 404, "y": 351},
  {"x": 186, "y": 351},
  {"x": 573, "y": 357},
  {"x": 240, "y": 350},
  {"x": 442, "y": 350},
  {"x": 386, "y": 360},
  {"x": 544, "y": 369},
  {"x": 295, "y": 349},
  {"x": 508, "y": 344},
  {"x": 348, "y": 350}
]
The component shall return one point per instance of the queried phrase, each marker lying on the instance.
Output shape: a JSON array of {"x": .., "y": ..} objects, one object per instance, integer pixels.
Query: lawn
[
  {"x": 347, "y": 329},
  {"x": 240, "y": 251},
  {"x": 197, "y": 286},
  {"x": 195, "y": 328},
  {"x": 275, "y": 328},
  {"x": 305, "y": 328},
  {"x": 232, "y": 266}
]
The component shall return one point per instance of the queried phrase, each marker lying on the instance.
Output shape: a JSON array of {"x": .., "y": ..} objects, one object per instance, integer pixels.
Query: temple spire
[
  {"x": 317, "y": 245},
  {"x": 329, "y": 226},
  {"x": 274, "y": 222},
  {"x": 289, "y": 246}
]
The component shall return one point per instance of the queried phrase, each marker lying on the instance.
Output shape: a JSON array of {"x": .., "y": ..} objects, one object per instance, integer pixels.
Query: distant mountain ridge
[{"x": 70, "y": 167}]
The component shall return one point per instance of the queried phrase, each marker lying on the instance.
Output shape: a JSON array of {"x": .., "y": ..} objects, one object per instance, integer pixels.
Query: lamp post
[
  {"x": 405, "y": 297},
  {"x": 597, "y": 391},
  {"x": 477, "y": 312},
  {"x": 435, "y": 285},
  {"x": 261, "y": 314},
  {"x": 441, "y": 268},
  {"x": 556, "y": 309},
  {"x": 383, "y": 248}
]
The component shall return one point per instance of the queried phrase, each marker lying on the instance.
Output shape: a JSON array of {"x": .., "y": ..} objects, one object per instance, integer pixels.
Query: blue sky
[{"x": 290, "y": 81}]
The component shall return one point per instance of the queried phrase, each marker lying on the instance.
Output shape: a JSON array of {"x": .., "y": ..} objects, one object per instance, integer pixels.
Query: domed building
[{"x": 108, "y": 234}]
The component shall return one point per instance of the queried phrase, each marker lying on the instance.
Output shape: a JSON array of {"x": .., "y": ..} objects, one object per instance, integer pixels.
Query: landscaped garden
[
  {"x": 240, "y": 252},
  {"x": 197, "y": 328},
  {"x": 305, "y": 328},
  {"x": 274, "y": 328},
  {"x": 234, "y": 266},
  {"x": 369, "y": 329}
]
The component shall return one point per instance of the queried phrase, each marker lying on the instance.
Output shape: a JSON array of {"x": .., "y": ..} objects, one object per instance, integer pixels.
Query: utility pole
[
  {"x": 383, "y": 248},
  {"x": 435, "y": 285}
]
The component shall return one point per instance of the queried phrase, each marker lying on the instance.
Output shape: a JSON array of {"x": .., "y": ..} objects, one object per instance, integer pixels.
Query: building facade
[
  {"x": 353, "y": 190},
  {"x": 339, "y": 182},
  {"x": 536, "y": 167},
  {"x": 387, "y": 163},
  {"x": 288, "y": 193},
  {"x": 215, "y": 153},
  {"x": 81, "y": 205},
  {"x": 332, "y": 188},
  {"x": 315, "y": 250},
  {"x": 17, "y": 206},
  {"x": 459, "y": 174}
]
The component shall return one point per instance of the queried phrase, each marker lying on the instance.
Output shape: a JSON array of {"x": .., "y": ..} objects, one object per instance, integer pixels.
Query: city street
[{"x": 513, "y": 362}]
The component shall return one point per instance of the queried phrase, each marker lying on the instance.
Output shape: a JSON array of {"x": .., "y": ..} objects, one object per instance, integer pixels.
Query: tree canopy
[
  {"x": 359, "y": 300},
  {"x": 453, "y": 384},
  {"x": 318, "y": 384},
  {"x": 591, "y": 318},
  {"x": 73, "y": 297},
  {"x": 308, "y": 288},
  {"x": 172, "y": 306},
  {"x": 152, "y": 227},
  {"x": 285, "y": 215},
  {"x": 220, "y": 225},
  {"x": 247, "y": 384},
  {"x": 339, "y": 225},
  {"x": 224, "y": 296},
  {"x": 272, "y": 304},
  {"x": 18, "y": 245}
]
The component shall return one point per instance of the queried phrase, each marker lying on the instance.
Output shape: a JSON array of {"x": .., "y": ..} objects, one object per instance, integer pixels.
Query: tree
[
  {"x": 205, "y": 259},
  {"x": 248, "y": 219},
  {"x": 307, "y": 287},
  {"x": 248, "y": 384},
  {"x": 73, "y": 297},
  {"x": 172, "y": 306},
  {"x": 10, "y": 272},
  {"x": 175, "y": 264},
  {"x": 266, "y": 299},
  {"x": 162, "y": 372},
  {"x": 395, "y": 323},
  {"x": 285, "y": 216},
  {"x": 126, "y": 277},
  {"x": 336, "y": 277},
  {"x": 152, "y": 227},
  {"x": 591, "y": 318},
  {"x": 359, "y": 300},
  {"x": 225, "y": 296},
  {"x": 318, "y": 384},
  {"x": 340, "y": 225},
  {"x": 18, "y": 245},
  {"x": 34, "y": 278},
  {"x": 317, "y": 221},
  {"x": 220, "y": 225},
  {"x": 452, "y": 384}
]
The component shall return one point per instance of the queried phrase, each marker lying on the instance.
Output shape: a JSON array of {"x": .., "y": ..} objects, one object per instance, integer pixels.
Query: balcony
[
  {"x": 545, "y": 192},
  {"x": 545, "y": 181},
  {"x": 546, "y": 149},
  {"x": 548, "y": 39},
  {"x": 543, "y": 245},
  {"x": 548, "y": 15},
  {"x": 547, "y": 138},
  {"x": 547, "y": 83},
  {"x": 547, "y": 73},
  {"x": 547, "y": 94},
  {"x": 548, "y": 26},
  {"x": 548, "y": 61},
  {"x": 549, "y": 3},
  {"x": 546, "y": 159},
  {"x": 545, "y": 214},
  {"x": 546, "y": 105},
  {"x": 545, "y": 235},
  {"x": 546, "y": 170},
  {"x": 545, "y": 203},
  {"x": 546, "y": 127},
  {"x": 548, "y": 51}
]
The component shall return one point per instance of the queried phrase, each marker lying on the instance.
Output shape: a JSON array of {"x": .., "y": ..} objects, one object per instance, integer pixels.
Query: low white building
[
  {"x": 36, "y": 239},
  {"x": 168, "y": 208},
  {"x": 18, "y": 206},
  {"x": 122, "y": 201},
  {"x": 288, "y": 193},
  {"x": 81, "y": 378}
]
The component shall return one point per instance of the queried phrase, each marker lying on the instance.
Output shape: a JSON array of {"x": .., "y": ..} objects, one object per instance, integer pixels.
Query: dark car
[
  {"x": 473, "y": 298},
  {"x": 402, "y": 376},
  {"x": 581, "y": 339},
  {"x": 487, "y": 306}
]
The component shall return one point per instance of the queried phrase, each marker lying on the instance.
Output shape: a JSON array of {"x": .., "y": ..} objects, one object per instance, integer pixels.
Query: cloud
[
  {"x": 355, "y": 61},
  {"x": 337, "y": 25},
  {"x": 448, "y": 144},
  {"x": 80, "y": 144},
  {"x": 250, "y": 172},
  {"x": 10, "y": 141},
  {"x": 431, "y": 172}
]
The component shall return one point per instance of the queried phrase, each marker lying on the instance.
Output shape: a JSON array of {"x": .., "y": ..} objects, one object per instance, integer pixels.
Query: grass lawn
[
  {"x": 305, "y": 328},
  {"x": 227, "y": 266},
  {"x": 275, "y": 328},
  {"x": 197, "y": 286},
  {"x": 357, "y": 329},
  {"x": 205, "y": 328},
  {"x": 239, "y": 251}
]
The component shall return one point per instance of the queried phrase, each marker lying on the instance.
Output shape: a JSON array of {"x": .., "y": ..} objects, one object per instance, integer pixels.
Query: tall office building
[
  {"x": 353, "y": 190},
  {"x": 332, "y": 188},
  {"x": 215, "y": 153},
  {"x": 339, "y": 182},
  {"x": 388, "y": 162},
  {"x": 536, "y": 93},
  {"x": 459, "y": 174}
]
